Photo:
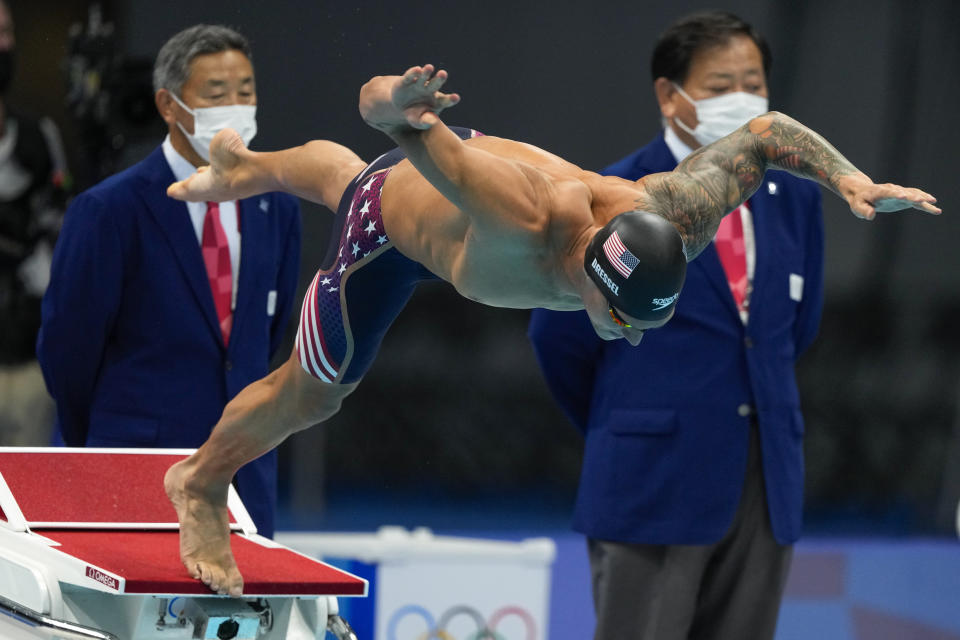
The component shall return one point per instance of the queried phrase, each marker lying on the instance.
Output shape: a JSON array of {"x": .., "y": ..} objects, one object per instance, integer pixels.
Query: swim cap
[{"x": 638, "y": 262}]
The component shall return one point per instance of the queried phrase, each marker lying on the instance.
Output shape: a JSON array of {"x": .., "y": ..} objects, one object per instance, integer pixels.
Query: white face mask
[
  {"x": 208, "y": 121},
  {"x": 721, "y": 116}
]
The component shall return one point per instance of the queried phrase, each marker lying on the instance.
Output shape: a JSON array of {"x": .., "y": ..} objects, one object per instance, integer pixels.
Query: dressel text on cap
[{"x": 606, "y": 279}]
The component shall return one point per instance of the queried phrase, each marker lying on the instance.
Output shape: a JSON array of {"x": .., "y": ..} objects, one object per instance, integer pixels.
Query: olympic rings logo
[{"x": 486, "y": 629}]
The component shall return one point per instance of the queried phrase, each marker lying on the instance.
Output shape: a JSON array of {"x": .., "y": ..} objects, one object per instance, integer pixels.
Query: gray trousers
[{"x": 730, "y": 590}]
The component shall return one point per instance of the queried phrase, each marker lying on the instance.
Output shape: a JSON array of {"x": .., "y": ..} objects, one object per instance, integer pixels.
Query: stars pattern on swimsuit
[
  {"x": 362, "y": 235},
  {"x": 359, "y": 238}
]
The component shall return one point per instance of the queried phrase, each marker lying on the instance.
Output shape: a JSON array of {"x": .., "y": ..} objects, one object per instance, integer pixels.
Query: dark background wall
[{"x": 454, "y": 408}]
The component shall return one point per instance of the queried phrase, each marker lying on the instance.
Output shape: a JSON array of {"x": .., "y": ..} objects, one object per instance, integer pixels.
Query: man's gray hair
[{"x": 172, "y": 67}]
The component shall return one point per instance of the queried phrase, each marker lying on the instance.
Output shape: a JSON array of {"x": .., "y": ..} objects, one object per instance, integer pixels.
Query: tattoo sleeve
[{"x": 714, "y": 180}]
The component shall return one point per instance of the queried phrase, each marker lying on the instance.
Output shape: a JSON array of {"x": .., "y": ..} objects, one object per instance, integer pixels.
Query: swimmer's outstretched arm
[
  {"x": 496, "y": 192},
  {"x": 717, "y": 178},
  {"x": 318, "y": 171}
]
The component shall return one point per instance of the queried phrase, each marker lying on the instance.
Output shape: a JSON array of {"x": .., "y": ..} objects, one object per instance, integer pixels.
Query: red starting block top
[
  {"x": 110, "y": 516},
  {"x": 149, "y": 562},
  {"x": 79, "y": 488}
]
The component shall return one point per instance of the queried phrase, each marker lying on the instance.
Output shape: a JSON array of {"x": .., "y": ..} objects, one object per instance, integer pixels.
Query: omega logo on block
[{"x": 102, "y": 578}]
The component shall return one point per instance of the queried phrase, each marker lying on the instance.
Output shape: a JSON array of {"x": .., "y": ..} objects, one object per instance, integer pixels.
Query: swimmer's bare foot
[
  {"x": 233, "y": 173},
  {"x": 204, "y": 533}
]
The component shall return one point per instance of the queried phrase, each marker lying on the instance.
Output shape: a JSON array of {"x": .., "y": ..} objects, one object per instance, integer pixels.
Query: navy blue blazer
[
  {"x": 130, "y": 345},
  {"x": 666, "y": 444}
]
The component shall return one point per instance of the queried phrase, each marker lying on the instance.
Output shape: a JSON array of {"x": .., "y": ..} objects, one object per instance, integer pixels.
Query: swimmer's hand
[
  {"x": 866, "y": 198},
  {"x": 395, "y": 104},
  {"x": 232, "y": 174}
]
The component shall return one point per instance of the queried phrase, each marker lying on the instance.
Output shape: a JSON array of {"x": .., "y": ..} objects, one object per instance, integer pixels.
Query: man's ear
[
  {"x": 165, "y": 106},
  {"x": 665, "y": 92}
]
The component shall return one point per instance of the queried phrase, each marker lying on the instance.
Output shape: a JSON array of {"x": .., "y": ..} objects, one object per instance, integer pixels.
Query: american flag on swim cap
[{"x": 619, "y": 256}]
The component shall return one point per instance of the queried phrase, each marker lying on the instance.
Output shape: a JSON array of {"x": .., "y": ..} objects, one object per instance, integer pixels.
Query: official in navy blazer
[
  {"x": 687, "y": 432},
  {"x": 131, "y": 343}
]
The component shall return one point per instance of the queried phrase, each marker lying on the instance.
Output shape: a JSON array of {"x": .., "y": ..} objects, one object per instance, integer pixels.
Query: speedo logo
[
  {"x": 662, "y": 303},
  {"x": 606, "y": 279}
]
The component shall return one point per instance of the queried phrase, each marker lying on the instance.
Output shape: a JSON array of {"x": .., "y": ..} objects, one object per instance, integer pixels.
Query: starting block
[{"x": 89, "y": 549}]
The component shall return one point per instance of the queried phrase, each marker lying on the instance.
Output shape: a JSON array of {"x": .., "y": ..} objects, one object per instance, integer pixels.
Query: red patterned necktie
[
  {"x": 216, "y": 257},
  {"x": 733, "y": 255}
]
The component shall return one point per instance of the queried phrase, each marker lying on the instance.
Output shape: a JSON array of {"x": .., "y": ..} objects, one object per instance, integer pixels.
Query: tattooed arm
[{"x": 716, "y": 179}]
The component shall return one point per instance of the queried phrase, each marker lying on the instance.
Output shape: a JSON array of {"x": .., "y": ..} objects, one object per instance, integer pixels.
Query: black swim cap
[{"x": 637, "y": 261}]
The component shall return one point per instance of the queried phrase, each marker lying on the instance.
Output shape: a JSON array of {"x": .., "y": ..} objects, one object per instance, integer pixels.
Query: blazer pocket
[
  {"x": 642, "y": 421},
  {"x": 111, "y": 429}
]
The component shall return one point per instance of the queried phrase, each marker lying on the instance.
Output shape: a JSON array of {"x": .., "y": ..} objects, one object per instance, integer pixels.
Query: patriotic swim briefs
[{"x": 363, "y": 284}]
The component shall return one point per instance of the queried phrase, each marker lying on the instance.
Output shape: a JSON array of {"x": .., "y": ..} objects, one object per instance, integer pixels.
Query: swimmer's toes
[
  {"x": 192, "y": 567},
  {"x": 236, "y": 590},
  {"x": 206, "y": 575}
]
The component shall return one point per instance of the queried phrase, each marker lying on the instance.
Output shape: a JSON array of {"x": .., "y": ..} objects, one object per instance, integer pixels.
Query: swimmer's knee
[
  {"x": 320, "y": 401},
  {"x": 313, "y": 400}
]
